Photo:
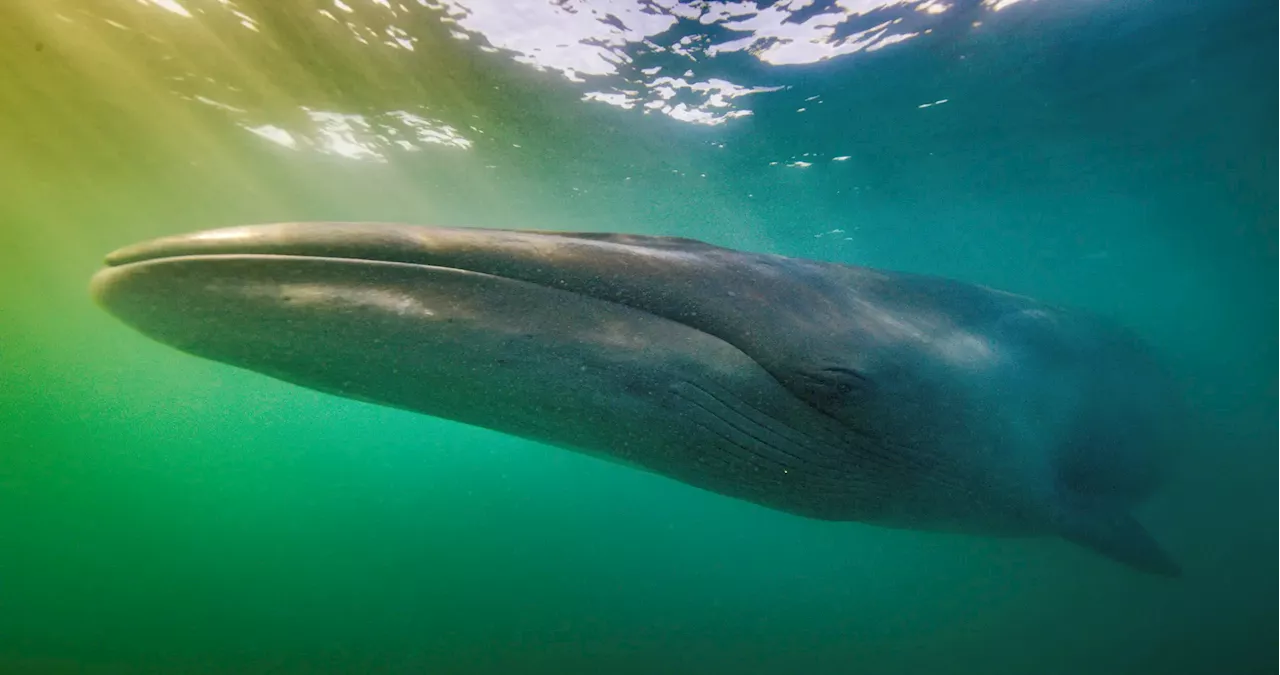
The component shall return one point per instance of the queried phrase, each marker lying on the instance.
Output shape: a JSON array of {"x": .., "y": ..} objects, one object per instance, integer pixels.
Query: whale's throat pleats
[{"x": 827, "y": 473}]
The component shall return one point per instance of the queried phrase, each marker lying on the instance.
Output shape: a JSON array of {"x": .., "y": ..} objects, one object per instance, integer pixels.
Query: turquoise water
[{"x": 162, "y": 514}]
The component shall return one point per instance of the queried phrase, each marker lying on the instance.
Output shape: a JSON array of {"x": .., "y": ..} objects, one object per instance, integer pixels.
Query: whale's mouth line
[
  {"x": 350, "y": 241},
  {"x": 139, "y": 255},
  {"x": 122, "y": 262},
  {"x": 195, "y": 249},
  {"x": 373, "y": 247}
]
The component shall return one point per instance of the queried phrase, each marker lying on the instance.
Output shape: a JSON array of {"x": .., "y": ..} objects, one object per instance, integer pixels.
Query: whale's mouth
[
  {"x": 724, "y": 293},
  {"x": 631, "y": 270}
]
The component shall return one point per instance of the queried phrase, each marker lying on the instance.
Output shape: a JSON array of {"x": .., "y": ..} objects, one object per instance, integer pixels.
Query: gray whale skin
[{"x": 823, "y": 390}]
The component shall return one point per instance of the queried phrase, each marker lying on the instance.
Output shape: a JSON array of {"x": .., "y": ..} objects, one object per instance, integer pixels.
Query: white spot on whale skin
[
  {"x": 223, "y": 234},
  {"x": 965, "y": 349},
  {"x": 325, "y": 295}
]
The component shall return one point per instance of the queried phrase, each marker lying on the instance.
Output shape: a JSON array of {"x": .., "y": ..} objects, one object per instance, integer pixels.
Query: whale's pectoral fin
[{"x": 1109, "y": 529}]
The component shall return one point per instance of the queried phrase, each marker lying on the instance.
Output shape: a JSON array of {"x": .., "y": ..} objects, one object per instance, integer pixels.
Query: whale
[{"x": 820, "y": 389}]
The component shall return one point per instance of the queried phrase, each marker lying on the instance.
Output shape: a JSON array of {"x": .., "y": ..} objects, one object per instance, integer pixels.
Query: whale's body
[{"x": 824, "y": 390}]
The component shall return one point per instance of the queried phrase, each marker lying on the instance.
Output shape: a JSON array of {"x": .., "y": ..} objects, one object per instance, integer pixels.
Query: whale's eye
[
  {"x": 845, "y": 380},
  {"x": 832, "y": 388}
]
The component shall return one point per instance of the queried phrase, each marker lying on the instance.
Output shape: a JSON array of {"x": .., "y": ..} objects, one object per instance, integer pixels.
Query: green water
[{"x": 161, "y": 514}]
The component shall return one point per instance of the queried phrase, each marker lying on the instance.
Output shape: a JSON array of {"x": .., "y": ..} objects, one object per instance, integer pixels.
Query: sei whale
[{"x": 824, "y": 390}]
